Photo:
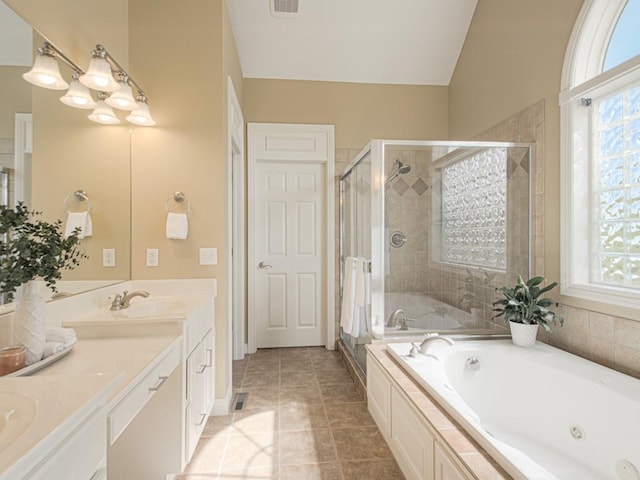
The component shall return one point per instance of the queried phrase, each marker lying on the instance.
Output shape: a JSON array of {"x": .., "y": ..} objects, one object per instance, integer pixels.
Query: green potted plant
[
  {"x": 31, "y": 249},
  {"x": 524, "y": 308}
]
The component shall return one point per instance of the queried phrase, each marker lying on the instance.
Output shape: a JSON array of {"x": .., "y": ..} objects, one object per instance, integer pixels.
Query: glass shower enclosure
[{"x": 438, "y": 226}]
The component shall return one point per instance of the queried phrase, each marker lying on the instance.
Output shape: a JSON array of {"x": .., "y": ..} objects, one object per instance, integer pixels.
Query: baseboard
[{"x": 221, "y": 406}]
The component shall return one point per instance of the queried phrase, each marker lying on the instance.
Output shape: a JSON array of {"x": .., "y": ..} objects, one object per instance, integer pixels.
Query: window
[
  {"x": 600, "y": 107},
  {"x": 474, "y": 210}
]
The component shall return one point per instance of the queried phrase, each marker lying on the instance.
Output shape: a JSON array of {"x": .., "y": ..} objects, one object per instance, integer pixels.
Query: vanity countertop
[
  {"x": 132, "y": 357},
  {"x": 38, "y": 413}
]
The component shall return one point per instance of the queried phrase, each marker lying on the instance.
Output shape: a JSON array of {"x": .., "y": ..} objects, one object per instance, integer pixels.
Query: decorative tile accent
[
  {"x": 420, "y": 186},
  {"x": 400, "y": 186}
]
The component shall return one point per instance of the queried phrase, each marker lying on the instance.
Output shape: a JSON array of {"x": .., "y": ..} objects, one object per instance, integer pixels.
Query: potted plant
[
  {"x": 524, "y": 308},
  {"x": 32, "y": 249}
]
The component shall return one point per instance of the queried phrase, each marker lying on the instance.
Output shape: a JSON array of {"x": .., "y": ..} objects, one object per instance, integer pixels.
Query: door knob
[{"x": 264, "y": 265}]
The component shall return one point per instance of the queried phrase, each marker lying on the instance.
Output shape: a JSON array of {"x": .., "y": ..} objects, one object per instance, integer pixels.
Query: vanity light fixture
[
  {"x": 123, "y": 97},
  {"x": 99, "y": 75},
  {"x": 45, "y": 71},
  {"x": 103, "y": 113},
  {"x": 78, "y": 96},
  {"x": 141, "y": 115}
]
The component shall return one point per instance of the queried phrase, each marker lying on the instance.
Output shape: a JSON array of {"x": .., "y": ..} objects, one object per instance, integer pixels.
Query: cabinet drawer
[{"x": 122, "y": 414}]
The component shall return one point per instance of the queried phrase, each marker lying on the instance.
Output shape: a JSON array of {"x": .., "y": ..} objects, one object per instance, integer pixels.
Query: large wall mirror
[{"x": 49, "y": 151}]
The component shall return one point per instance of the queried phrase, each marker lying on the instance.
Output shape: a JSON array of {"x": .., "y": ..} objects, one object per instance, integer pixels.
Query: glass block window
[
  {"x": 616, "y": 190},
  {"x": 474, "y": 210}
]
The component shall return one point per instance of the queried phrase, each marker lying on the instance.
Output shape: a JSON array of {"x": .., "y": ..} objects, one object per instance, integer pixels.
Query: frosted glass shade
[
  {"x": 141, "y": 116},
  {"x": 123, "y": 98},
  {"x": 78, "y": 96},
  {"x": 104, "y": 114},
  {"x": 46, "y": 73},
  {"x": 99, "y": 76}
]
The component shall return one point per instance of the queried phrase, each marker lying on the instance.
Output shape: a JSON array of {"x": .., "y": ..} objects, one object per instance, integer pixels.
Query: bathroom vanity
[{"x": 158, "y": 362}]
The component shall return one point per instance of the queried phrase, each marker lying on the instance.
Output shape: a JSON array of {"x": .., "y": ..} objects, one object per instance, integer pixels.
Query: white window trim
[{"x": 581, "y": 78}]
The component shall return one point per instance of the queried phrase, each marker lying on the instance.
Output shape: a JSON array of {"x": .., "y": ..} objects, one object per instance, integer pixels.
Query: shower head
[{"x": 400, "y": 169}]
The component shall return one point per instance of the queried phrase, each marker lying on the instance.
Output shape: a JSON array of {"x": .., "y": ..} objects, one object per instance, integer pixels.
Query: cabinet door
[
  {"x": 412, "y": 441},
  {"x": 209, "y": 373},
  {"x": 379, "y": 396},
  {"x": 445, "y": 468}
]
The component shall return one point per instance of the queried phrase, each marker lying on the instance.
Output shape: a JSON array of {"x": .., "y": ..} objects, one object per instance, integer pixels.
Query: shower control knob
[{"x": 264, "y": 266}]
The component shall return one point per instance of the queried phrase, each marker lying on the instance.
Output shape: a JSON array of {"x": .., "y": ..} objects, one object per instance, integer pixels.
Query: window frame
[{"x": 583, "y": 79}]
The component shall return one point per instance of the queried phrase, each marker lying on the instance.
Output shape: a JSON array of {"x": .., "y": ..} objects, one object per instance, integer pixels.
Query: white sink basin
[
  {"x": 152, "y": 307},
  {"x": 16, "y": 414}
]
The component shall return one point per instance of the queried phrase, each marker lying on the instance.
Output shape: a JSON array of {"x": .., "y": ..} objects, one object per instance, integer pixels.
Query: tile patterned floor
[{"x": 303, "y": 420}]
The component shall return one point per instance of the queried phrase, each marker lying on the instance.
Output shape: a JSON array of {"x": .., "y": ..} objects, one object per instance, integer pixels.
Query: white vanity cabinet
[
  {"x": 199, "y": 394},
  {"x": 413, "y": 441}
]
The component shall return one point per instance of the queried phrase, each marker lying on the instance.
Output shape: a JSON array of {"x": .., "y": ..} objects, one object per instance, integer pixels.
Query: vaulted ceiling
[{"x": 366, "y": 41}]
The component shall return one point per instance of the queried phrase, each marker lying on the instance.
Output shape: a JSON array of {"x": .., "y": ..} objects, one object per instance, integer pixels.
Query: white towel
[
  {"x": 51, "y": 348},
  {"x": 66, "y": 336},
  {"x": 354, "y": 296},
  {"x": 78, "y": 219},
  {"x": 177, "y": 226}
]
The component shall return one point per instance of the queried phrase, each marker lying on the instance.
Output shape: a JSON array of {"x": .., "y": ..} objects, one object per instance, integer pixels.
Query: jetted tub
[{"x": 542, "y": 413}]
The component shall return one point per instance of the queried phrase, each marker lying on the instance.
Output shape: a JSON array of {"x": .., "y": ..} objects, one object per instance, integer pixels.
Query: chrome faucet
[
  {"x": 122, "y": 300},
  {"x": 423, "y": 347},
  {"x": 397, "y": 318}
]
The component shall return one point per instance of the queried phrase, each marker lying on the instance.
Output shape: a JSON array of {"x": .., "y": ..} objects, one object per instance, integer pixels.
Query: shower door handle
[{"x": 264, "y": 266}]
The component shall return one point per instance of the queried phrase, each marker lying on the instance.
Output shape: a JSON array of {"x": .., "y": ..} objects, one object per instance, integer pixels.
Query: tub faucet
[
  {"x": 423, "y": 347},
  {"x": 122, "y": 300},
  {"x": 398, "y": 318}
]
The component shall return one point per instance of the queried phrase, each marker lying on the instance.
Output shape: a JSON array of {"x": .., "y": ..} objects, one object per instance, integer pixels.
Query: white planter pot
[
  {"x": 30, "y": 323},
  {"x": 522, "y": 334}
]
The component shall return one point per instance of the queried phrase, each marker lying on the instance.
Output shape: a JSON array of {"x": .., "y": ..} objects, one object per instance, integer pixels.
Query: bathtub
[{"x": 542, "y": 413}]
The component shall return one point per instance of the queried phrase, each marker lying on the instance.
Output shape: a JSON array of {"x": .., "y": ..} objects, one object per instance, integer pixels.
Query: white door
[
  {"x": 290, "y": 254},
  {"x": 288, "y": 248}
]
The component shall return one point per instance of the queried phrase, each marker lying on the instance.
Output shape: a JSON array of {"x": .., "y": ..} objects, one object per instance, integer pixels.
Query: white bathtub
[{"x": 540, "y": 412}]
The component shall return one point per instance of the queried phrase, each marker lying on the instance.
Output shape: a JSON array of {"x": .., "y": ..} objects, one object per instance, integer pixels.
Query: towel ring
[
  {"x": 79, "y": 196},
  {"x": 180, "y": 199}
]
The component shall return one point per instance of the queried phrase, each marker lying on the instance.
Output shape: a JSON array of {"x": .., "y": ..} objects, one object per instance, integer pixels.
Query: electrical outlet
[
  {"x": 152, "y": 257},
  {"x": 108, "y": 257},
  {"x": 208, "y": 256}
]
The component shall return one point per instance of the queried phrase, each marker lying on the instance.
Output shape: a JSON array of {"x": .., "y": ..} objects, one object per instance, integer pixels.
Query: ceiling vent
[{"x": 284, "y": 8}]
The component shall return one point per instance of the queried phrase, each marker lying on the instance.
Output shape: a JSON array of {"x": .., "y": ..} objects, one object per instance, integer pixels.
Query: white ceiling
[
  {"x": 16, "y": 38},
  {"x": 365, "y": 41}
]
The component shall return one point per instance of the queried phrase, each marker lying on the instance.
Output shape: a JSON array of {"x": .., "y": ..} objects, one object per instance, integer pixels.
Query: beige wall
[
  {"x": 76, "y": 27},
  {"x": 179, "y": 56},
  {"x": 360, "y": 112},
  {"x": 512, "y": 57}
]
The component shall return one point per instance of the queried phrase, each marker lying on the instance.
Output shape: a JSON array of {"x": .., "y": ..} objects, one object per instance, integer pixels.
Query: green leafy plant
[
  {"x": 522, "y": 304},
  {"x": 31, "y": 248}
]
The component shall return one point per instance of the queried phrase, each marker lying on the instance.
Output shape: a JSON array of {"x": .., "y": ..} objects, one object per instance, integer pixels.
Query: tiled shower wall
[{"x": 605, "y": 339}]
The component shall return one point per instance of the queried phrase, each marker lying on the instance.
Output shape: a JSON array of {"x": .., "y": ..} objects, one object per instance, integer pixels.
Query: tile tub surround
[
  {"x": 308, "y": 421},
  {"x": 472, "y": 455}
]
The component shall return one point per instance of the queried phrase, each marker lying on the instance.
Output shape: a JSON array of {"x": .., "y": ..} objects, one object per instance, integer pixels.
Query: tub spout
[{"x": 423, "y": 347}]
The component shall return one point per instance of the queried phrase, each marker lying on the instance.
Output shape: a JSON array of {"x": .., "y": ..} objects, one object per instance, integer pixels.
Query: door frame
[
  {"x": 236, "y": 291},
  {"x": 328, "y": 222}
]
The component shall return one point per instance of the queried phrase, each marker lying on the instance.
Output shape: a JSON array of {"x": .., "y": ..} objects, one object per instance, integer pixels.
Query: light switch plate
[
  {"x": 208, "y": 256},
  {"x": 108, "y": 257},
  {"x": 152, "y": 257}
]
